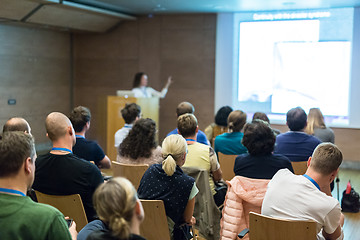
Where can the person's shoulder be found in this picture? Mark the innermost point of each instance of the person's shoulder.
(314, 139)
(175, 131)
(282, 174)
(280, 157)
(44, 210)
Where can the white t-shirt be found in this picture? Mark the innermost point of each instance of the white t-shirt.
(295, 197)
(122, 133)
(147, 92)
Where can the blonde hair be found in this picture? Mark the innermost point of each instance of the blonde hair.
(315, 119)
(114, 202)
(172, 149)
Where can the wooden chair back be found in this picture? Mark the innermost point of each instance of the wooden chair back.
(227, 163)
(263, 227)
(299, 167)
(217, 130)
(155, 225)
(69, 205)
(132, 172)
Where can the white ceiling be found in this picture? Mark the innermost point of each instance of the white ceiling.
(137, 7)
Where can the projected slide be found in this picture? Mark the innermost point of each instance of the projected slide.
(284, 64)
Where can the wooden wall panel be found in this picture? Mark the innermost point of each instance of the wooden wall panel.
(182, 46)
(34, 70)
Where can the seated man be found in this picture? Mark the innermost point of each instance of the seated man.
(20, 217)
(296, 144)
(17, 124)
(130, 113)
(200, 155)
(86, 149)
(60, 172)
(308, 196)
(186, 107)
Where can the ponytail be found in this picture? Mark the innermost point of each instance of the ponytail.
(120, 228)
(169, 165)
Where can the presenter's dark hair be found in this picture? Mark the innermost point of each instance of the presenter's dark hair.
(130, 112)
(222, 115)
(296, 119)
(140, 141)
(261, 116)
(137, 79)
(259, 138)
(79, 117)
(15, 148)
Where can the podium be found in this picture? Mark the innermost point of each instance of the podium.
(114, 120)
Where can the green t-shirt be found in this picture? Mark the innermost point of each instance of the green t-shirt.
(21, 218)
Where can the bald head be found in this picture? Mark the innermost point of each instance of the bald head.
(57, 125)
(184, 107)
(17, 124)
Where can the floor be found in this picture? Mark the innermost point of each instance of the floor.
(351, 226)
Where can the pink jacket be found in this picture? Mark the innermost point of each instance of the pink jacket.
(244, 195)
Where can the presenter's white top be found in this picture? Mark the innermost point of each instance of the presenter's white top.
(147, 92)
(122, 133)
(295, 197)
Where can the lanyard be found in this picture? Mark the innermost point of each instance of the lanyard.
(12, 191)
(61, 149)
(79, 136)
(127, 126)
(313, 181)
(190, 140)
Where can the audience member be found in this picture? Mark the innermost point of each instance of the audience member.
(86, 149)
(186, 107)
(308, 196)
(60, 172)
(296, 144)
(220, 125)
(19, 213)
(119, 210)
(316, 126)
(17, 124)
(260, 162)
(230, 143)
(177, 189)
(140, 147)
(264, 117)
(141, 89)
(130, 113)
(200, 155)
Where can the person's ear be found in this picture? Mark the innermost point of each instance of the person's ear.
(47, 135)
(308, 162)
(27, 165)
(70, 131)
(197, 129)
(139, 211)
(334, 174)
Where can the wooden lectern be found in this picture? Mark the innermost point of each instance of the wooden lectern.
(114, 120)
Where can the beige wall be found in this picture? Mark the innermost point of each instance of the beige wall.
(182, 46)
(34, 70)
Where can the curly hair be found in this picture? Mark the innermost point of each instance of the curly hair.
(130, 112)
(259, 138)
(221, 116)
(141, 140)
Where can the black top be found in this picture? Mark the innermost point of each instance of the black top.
(260, 167)
(65, 175)
(88, 150)
(173, 190)
(106, 235)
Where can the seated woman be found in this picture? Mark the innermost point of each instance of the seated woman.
(167, 182)
(264, 117)
(316, 126)
(220, 124)
(260, 162)
(230, 143)
(118, 221)
(139, 147)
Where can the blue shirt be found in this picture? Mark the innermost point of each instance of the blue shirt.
(297, 146)
(200, 137)
(230, 143)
